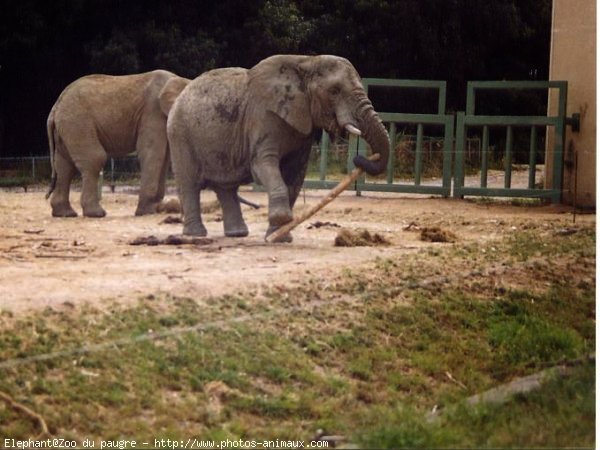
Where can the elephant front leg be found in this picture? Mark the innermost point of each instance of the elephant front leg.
(268, 173)
(154, 160)
(233, 221)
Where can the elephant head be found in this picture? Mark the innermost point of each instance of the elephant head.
(322, 91)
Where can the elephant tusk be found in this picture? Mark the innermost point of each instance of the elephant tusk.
(352, 129)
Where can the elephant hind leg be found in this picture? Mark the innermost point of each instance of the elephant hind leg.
(233, 222)
(90, 168)
(189, 196)
(65, 171)
(188, 188)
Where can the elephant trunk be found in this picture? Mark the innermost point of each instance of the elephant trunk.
(376, 136)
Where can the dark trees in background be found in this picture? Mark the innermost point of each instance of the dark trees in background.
(45, 45)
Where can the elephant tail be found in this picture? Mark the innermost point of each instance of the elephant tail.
(248, 202)
(51, 128)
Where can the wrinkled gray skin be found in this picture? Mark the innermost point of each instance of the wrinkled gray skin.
(101, 116)
(232, 126)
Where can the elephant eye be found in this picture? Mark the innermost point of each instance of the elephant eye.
(334, 90)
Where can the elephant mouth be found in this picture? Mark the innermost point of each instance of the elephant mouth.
(346, 129)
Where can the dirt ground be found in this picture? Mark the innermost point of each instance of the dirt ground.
(57, 262)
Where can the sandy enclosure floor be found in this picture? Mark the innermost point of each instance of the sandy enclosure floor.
(57, 262)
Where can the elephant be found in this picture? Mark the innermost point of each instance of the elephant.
(232, 126)
(98, 116)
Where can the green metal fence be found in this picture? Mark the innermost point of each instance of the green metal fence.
(469, 119)
(455, 140)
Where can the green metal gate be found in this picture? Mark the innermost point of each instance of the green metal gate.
(470, 119)
(455, 140)
(392, 122)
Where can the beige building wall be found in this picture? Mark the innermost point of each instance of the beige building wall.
(573, 58)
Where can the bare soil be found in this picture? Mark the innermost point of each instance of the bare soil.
(56, 262)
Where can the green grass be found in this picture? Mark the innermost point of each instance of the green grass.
(365, 354)
(560, 414)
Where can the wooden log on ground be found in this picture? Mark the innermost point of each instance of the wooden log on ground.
(341, 187)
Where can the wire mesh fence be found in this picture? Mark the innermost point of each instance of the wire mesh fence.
(32, 170)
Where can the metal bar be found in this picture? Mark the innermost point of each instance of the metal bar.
(508, 157)
(361, 150)
(470, 98)
(405, 188)
(484, 155)
(516, 84)
(434, 119)
(532, 149)
(33, 168)
(500, 192)
(442, 99)
(419, 155)
(392, 156)
(427, 84)
(459, 154)
(559, 142)
(318, 184)
(324, 154)
(510, 120)
(447, 164)
(352, 152)
(557, 169)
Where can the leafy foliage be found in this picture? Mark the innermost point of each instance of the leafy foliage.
(46, 45)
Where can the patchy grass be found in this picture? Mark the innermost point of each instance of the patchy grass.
(365, 354)
(523, 421)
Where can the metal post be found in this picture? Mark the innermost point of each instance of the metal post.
(508, 157)
(459, 155)
(447, 170)
(324, 154)
(392, 157)
(419, 155)
(484, 155)
(33, 167)
(532, 148)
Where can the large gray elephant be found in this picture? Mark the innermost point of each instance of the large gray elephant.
(232, 126)
(98, 116)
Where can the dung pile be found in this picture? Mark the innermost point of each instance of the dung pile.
(437, 234)
(210, 207)
(170, 206)
(359, 238)
(171, 219)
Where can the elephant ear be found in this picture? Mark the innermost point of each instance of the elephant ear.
(169, 93)
(281, 86)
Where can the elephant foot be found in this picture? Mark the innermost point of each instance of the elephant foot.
(237, 232)
(279, 218)
(286, 238)
(94, 212)
(195, 229)
(280, 212)
(63, 212)
(148, 208)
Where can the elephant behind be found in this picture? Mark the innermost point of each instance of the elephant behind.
(233, 126)
(101, 116)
